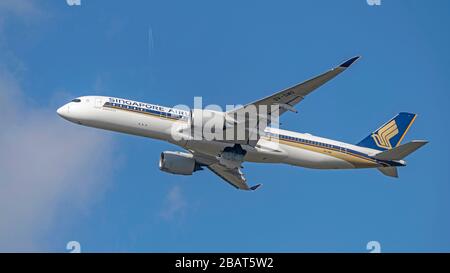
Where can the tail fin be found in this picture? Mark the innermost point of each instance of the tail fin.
(390, 134)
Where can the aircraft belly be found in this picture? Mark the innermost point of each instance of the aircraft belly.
(212, 148)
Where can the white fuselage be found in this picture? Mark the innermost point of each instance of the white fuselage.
(158, 122)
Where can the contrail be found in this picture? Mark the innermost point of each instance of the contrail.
(150, 42)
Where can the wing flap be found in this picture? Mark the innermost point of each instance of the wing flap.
(234, 177)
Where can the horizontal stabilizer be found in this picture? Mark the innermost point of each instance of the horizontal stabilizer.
(389, 171)
(400, 152)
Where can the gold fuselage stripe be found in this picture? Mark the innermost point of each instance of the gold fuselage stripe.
(354, 159)
(144, 113)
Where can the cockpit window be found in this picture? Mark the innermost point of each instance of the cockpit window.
(76, 100)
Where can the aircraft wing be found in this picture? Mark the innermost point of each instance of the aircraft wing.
(288, 98)
(232, 176)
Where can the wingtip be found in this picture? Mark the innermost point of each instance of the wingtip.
(255, 187)
(349, 62)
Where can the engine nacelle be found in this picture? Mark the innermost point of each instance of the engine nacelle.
(178, 163)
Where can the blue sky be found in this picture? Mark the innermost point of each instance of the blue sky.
(228, 52)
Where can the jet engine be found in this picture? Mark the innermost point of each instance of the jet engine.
(178, 163)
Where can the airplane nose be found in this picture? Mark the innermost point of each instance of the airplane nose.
(62, 111)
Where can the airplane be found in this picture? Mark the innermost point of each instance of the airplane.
(382, 149)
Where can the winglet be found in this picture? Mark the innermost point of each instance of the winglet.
(254, 188)
(349, 62)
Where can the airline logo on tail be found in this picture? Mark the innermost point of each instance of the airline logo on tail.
(390, 134)
(383, 136)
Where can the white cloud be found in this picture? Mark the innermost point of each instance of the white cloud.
(175, 204)
(17, 13)
(21, 8)
(48, 167)
(50, 170)
(24, 10)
